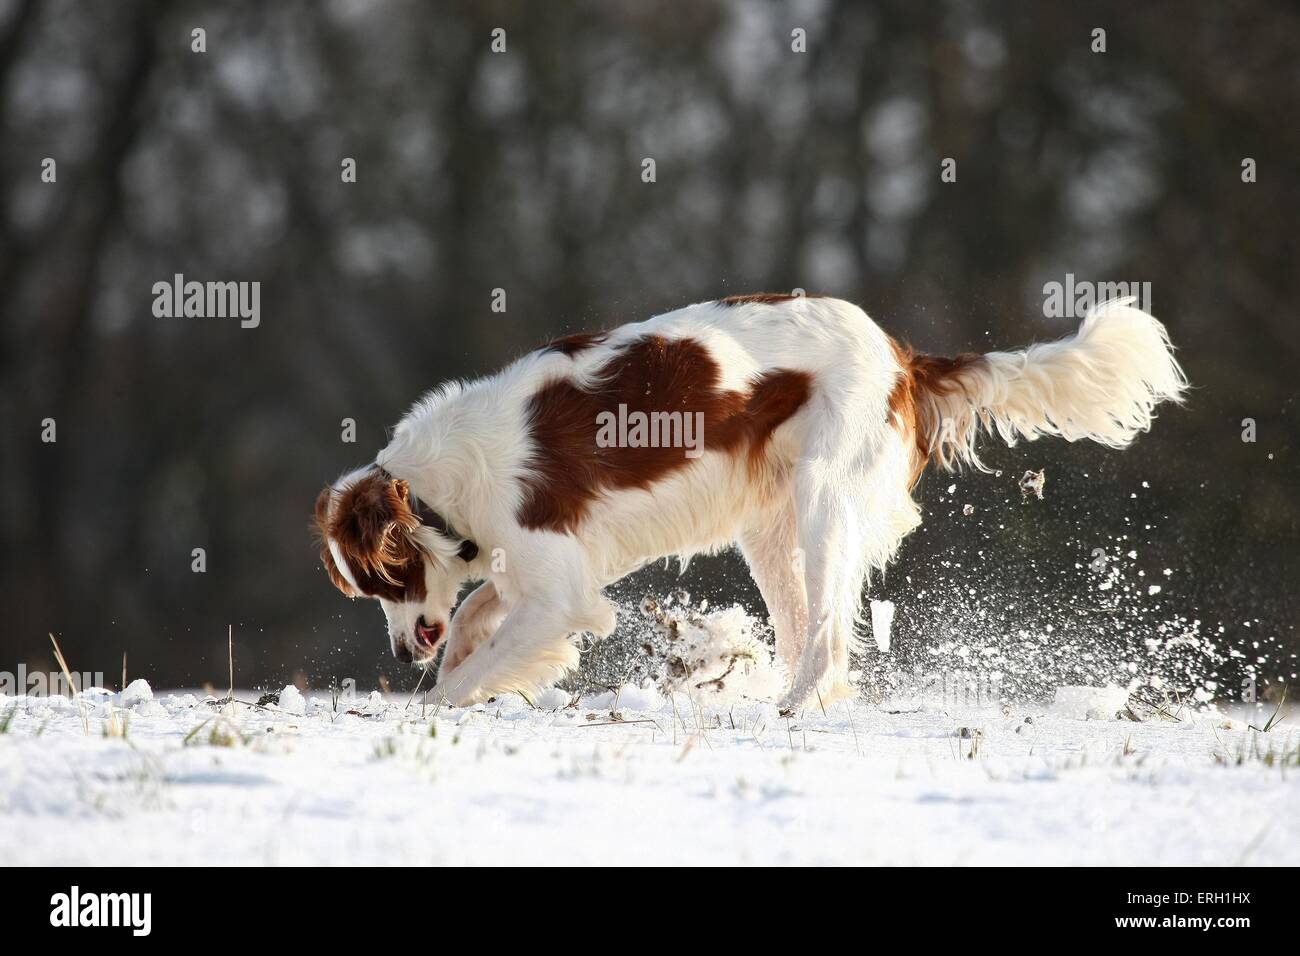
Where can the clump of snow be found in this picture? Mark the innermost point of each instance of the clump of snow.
(1089, 703)
(719, 655)
(137, 692)
(1032, 484)
(646, 698)
(552, 699)
(882, 618)
(291, 701)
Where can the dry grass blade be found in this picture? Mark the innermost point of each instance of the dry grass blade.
(193, 733)
(72, 688)
(424, 672)
(118, 723)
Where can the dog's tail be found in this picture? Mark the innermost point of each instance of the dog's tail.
(1102, 383)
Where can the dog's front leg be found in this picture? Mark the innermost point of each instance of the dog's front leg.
(477, 619)
(529, 652)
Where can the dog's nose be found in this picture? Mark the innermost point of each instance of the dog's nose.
(402, 652)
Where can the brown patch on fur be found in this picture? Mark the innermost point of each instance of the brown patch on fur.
(765, 298)
(651, 375)
(571, 345)
(775, 397)
(922, 375)
(372, 523)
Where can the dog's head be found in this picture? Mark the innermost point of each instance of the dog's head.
(378, 541)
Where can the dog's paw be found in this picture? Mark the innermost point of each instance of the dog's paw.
(790, 703)
(839, 690)
(815, 698)
(601, 619)
(454, 693)
(460, 647)
(454, 656)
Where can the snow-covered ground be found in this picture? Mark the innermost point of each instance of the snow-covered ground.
(641, 779)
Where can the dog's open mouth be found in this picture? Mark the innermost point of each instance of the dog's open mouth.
(428, 636)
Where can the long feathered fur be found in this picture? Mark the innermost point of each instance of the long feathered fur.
(1103, 383)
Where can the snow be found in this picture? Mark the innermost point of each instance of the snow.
(1089, 703)
(137, 692)
(291, 701)
(882, 618)
(714, 655)
(667, 778)
(992, 745)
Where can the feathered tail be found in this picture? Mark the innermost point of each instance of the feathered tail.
(1102, 383)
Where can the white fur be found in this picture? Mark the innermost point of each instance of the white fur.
(830, 503)
(1102, 383)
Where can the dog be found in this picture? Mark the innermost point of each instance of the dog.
(791, 426)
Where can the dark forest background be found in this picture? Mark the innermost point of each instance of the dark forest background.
(522, 171)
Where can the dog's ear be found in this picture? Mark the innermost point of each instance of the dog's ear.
(337, 577)
(372, 524)
(323, 510)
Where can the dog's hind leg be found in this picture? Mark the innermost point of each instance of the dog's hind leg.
(833, 517)
(771, 549)
(829, 539)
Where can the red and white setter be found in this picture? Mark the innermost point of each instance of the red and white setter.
(791, 426)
